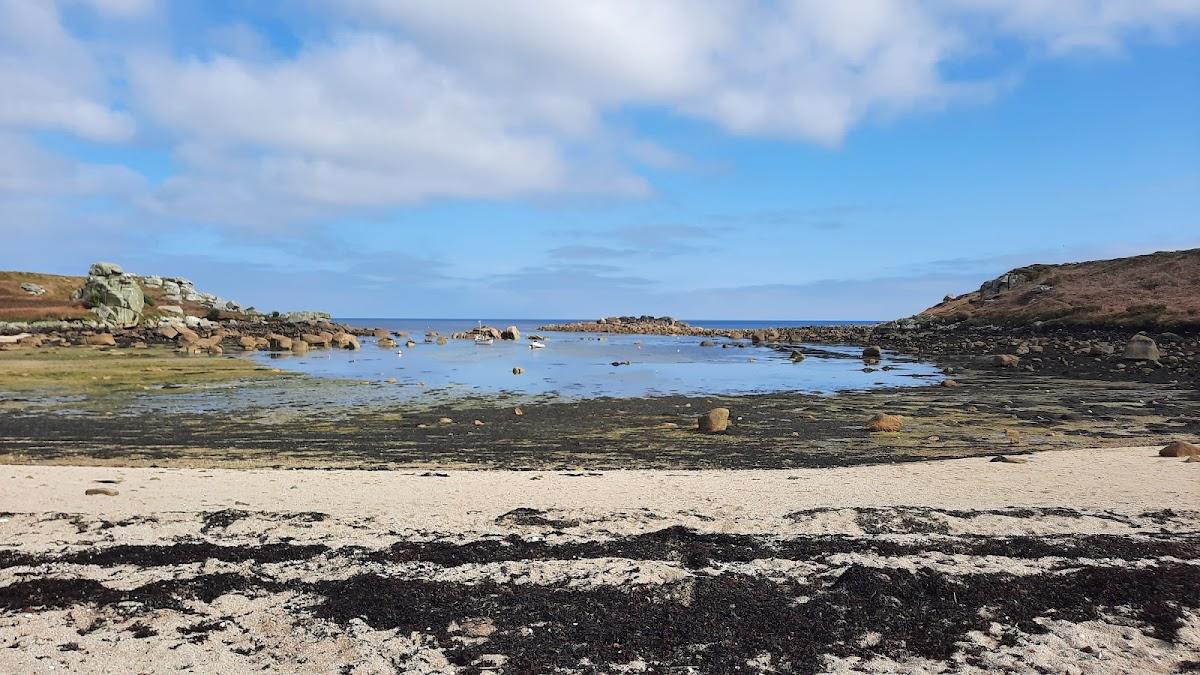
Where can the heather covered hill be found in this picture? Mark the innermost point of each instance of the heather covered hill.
(1156, 290)
(29, 296)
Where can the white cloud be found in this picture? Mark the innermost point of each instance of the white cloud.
(123, 8)
(363, 122)
(27, 171)
(402, 101)
(49, 79)
(1066, 26)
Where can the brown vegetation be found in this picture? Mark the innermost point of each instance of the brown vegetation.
(1159, 289)
(17, 305)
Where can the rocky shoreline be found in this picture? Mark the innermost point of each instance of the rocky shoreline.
(1091, 352)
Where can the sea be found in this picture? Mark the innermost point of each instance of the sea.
(588, 365)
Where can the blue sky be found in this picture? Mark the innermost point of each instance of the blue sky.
(737, 159)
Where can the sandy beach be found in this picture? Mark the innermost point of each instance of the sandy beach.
(882, 568)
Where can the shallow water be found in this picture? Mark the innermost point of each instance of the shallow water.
(576, 365)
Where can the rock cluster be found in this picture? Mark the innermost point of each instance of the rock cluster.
(646, 324)
(1004, 282)
(177, 290)
(116, 298)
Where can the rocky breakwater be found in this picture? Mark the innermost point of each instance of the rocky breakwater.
(781, 337)
(635, 325)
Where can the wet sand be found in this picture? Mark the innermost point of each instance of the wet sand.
(1078, 559)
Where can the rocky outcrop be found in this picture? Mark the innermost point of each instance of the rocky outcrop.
(114, 297)
(1002, 283)
(485, 331)
(308, 317)
(510, 333)
(646, 324)
(1157, 290)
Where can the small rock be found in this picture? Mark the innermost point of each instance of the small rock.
(100, 340)
(107, 492)
(518, 371)
(479, 627)
(1005, 361)
(872, 352)
(1009, 460)
(949, 383)
(445, 420)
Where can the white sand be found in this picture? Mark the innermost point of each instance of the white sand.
(1111, 478)
(1110, 490)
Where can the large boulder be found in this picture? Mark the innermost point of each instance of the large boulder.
(1141, 348)
(279, 343)
(105, 269)
(872, 352)
(115, 297)
(345, 341)
(511, 333)
(715, 421)
(882, 422)
(321, 340)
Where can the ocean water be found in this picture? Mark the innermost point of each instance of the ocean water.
(580, 365)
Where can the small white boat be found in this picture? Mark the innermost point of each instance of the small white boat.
(536, 345)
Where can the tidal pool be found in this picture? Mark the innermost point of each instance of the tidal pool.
(576, 365)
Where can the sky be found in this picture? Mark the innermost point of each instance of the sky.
(734, 159)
